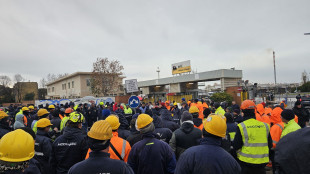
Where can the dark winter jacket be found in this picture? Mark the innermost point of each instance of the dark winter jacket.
(208, 157)
(302, 114)
(4, 129)
(68, 149)
(184, 138)
(100, 162)
(56, 122)
(151, 156)
(292, 152)
(43, 150)
(123, 133)
(164, 134)
(135, 137)
(167, 121)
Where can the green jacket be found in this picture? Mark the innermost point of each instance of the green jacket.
(127, 110)
(220, 111)
(291, 126)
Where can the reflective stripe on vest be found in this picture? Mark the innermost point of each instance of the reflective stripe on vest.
(39, 153)
(246, 137)
(280, 126)
(123, 149)
(255, 142)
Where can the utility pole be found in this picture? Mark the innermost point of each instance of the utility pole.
(275, 73)
(158, 71)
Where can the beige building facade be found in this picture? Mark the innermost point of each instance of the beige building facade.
(76, 85)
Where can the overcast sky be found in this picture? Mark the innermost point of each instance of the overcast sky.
(41, 37)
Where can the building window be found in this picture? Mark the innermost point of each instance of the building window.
(72, 84)
(49, 89)
(68, 85)
(52, 89)
(65, 86)
(88, 82)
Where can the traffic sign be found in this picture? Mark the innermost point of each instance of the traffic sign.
(133, 102)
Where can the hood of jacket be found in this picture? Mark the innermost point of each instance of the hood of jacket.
(19, 118)
(157, 122)
(166, 115)
(71, 132)
(197, 121)
(187, 127)
(260, 109)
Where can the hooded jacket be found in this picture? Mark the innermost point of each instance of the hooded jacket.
(43, 149)
(302, 114)
(184, 138)
(151, 156)
(208, 157)
(68, 149)
(164, 134)
(19, 121)
(167, 121)
(276, 115)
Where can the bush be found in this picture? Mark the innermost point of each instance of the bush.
(221, 97)
(305, 87)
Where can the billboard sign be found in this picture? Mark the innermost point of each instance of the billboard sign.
(181, 67)
(131, 85)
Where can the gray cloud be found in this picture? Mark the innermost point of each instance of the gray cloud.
(44, 37)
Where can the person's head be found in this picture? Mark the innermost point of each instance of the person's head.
(206, 112)
(42, 113)
(68, 111)
(44, 124)
(4, 119)
(171, 105)
(248, 108)
(51, 108)
(298, 104)
(287, 115)
(186, 116)
(113, 121)
(183, 100)
(25, 110)
(196, 100)
(194, 111)
(229, 117)
(236, 112)
(99, 136)
(233, 102)
(143, 104)
(144, 124)
(75, 120)
(216, 105)
(215, 126)
(16, 149)
(31, 108)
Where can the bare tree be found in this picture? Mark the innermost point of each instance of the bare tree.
(43, 83)
(105, 76)
(5, 81)
(18, 87)
(53, 77)
(304, 77)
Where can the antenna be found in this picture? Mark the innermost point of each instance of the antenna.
(158, 71)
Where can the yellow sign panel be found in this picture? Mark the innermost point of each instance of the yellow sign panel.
(181, 70)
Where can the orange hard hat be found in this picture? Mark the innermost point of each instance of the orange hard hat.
(68, 110)
(247, 104)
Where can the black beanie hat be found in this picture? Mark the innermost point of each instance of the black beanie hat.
(186, 116)
(288, 114)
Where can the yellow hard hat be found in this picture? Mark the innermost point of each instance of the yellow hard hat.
(42, 112)
(3, 115)
(143, 120)
(76, 117)
(25, 109)
(175, 103)
(44, 122)
(101, 103)
(101, 130)
(51, 107)
(31, 107)
(193, 109)
(113, 121)
(215, 125)
(16, 146)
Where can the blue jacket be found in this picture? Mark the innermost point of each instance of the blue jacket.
(151, 156)
(208, 157)
(100, 162)
(68, 149)
(43, 149)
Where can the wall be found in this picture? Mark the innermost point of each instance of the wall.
(27, 87)
(233, 91)
(122, 99)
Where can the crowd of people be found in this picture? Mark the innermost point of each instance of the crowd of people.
(181, 137)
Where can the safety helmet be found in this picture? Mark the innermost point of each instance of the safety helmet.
(68, 110)
(101, 130)
(215, 125)
(143, 120)
(44, 122)
(31, 107)
(3, 115)
(25, 109)
(101, 103)
(193, 109)
(51, 107)
(113, 121)
(16, 146)
(76, 117)
(247, 104)
(42, 112)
